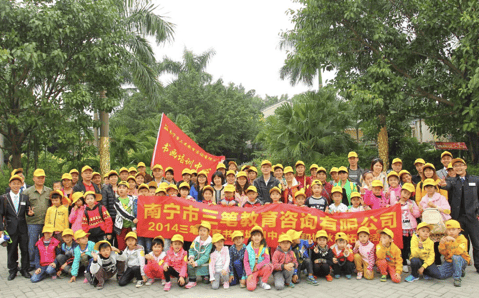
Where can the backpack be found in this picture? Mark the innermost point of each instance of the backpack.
(99, 211)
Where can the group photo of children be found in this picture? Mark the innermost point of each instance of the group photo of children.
(83, 228)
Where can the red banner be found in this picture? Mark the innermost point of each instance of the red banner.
(168, 216)
(175, 149)
(451, 146)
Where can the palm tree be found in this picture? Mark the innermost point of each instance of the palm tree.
(139, 20)
(191, 64)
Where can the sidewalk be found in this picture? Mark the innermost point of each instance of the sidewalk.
(22, 287)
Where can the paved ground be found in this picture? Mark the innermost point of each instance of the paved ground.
(21, 287)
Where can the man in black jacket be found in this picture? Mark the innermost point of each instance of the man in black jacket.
(266, 182)
(86, 184)
(464, 201)
(109, 197)
(24, 186)
(13, 208)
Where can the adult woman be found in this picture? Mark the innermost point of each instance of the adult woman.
(67, 185)
(241, 185)
(428, 172)
(327, 187)
(196, 190)
(377, 167)
(292, 186)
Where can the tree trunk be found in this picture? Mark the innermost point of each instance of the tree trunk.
(2, 155)
(383, 145)
(95, 130)
(473, 146)
(320, 78)
(104, 140)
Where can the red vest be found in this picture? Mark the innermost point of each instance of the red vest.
(47, 253)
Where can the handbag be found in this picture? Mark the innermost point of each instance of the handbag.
(433, 217)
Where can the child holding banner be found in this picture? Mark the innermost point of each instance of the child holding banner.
(207, 195)
(257, 260)
(316, 200)
(199, 255)
(229, 199)
(376, 198)
(252, 201)
(337, 206)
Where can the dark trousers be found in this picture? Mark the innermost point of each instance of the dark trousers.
(406, 251)
(321, 270)
(238, 272)
(102, 276)
(18, 240)
(432, 270)
(62, 259)
(471, 232)
(437, 254)
(346, 267)
(172, 272)
(129, 274)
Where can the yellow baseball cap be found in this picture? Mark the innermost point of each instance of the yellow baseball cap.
(424, 225)
(458, 160)
(453, 224)
(124, 183)
(170, 186)
(288, 170)
(340, 235)
(266, 162)
(377, 183)
(112, 173)
(387, 232)
(396, 160)
(430, 166)
(48, 229)
(76, 196)
(98, 196)
(232, 162)
(221, 166)
(363, 230)
(177, 237)
(39, 173)
(333, 169)
(15, 177)
(251, 188)
(419, 160)
(157, 166)
(257, 228)
(131, 178)
(336, 189)
(160, 189)
(355, 194)
(343, 169)
(185, 171)
(123, 169)
(97, 245)
(86, 168)
(80, 234)
(74, 171)
(132, 169)
(241, 174)
(236, 234)
(204, 224)
(208, 187)
(449, 166)
(409, 187)
(94, 174)
(131, 235)
(284, 237)
(170, 169)
(352, 154)
(67, 232)
(314, 166)
(141, 164)
(278, 166)
(429, 182)
(230, 188)
(446, 153)
(143, 185)
(184, 185)
(217, 237)
(316, 182)
(275, 189)
(299, 193)
(321, 169)
(16, 171)
(152, 184)
(230, 172)
(67, 176)
(402, 172)
(393, 174)
(203, 172)
(299, 163)
(254, 169)
(294, 234)
(321, 233)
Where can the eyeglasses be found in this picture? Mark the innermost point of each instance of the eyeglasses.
(458, 165)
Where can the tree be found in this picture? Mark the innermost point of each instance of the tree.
(423, 54)
(312, 126)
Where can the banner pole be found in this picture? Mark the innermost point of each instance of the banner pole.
(157, 140)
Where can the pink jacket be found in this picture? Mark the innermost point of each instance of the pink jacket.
(367, 252)
(76, 217)
(280, 258)
(375, 203)
(394, 194)
(440, 201)
(225, 254)
(47, 253)
(179, 262)
(411, 215)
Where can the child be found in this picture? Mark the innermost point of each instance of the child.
(81, 255)
(284, 263)
(257, 260)
(160, 192)
(219, 263)
(152, 187)
(57, 214)
(300, 198)
(334, 173)
(343, 256)
(124, 221)
(65, 257)
(96, 220)
(252, 201)
(229, 198)
(143, 241)
(376, 198)
(422, 255)
(76, 213)
(367, 180)
(275, 195)
(322, 256)
(46, 250)
(207, 193)
(394, 191)
(355, 202)
(237, 250)
(135, 262)
(316, 200)
(454, 249)
(409, 212)
(199, 254)
(104, 264)
(337, 196)
(434, 199)
(185, 191)
(156, 259)
(364, 257)
(172, 190)
(132, 191)
(175, 262)
(300, 248)
(57, 185)
(388, 256)
(230, 177)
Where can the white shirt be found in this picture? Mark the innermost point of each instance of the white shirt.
(15, 200)
(220, 263)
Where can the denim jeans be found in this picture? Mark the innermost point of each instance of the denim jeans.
(34, 232)
(45, 270)
(453, 268)
(432, 270)
(238, 272)
(146, 243)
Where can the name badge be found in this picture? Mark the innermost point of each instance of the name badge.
(472, 184)
(23, 203)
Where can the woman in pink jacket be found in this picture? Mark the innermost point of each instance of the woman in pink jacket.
(76, 213)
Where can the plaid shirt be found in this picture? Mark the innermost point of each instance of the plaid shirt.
(236, 255)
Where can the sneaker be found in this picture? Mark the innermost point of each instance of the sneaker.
(265, 286)
(311, 280)
(139, 284)
(242, 285)
(464, 273)
(457, 282)
(291, 285)
(226, 285)
(426, 277)
(410, 278)
(149, 282)
(54, 277)
(405, 269)
(360, 276)
(206, 280)
(163, 282)
(384, 278)
(337, 276)
(329, 277)
(99, 287)
(85, 280)
(190, 285)
(167, 286)
(348, 276)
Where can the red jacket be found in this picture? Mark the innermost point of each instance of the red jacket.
(290, 192)
(47, 253)
(305, 183)
(339, 254)
(179, 262)
(280, 258)
(94, 220)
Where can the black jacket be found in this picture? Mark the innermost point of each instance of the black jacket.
(8, 189)
(263, 189)
(108, 199)
(14, 222)
(455, 187)
(81, 187)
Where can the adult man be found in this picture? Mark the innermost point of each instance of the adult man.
(18, 172)
(142, 169)
(303, 180)
(266, 182)
(355, 172)
(86, 184)
(396, 166)
(464, 201)
(419, 164)
(446, 158)
(38, 195)
(13, 207)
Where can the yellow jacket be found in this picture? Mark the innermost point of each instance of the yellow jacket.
(426, 253)
(58, 218)
(392, 254)
(458, 248)
(421, 192)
